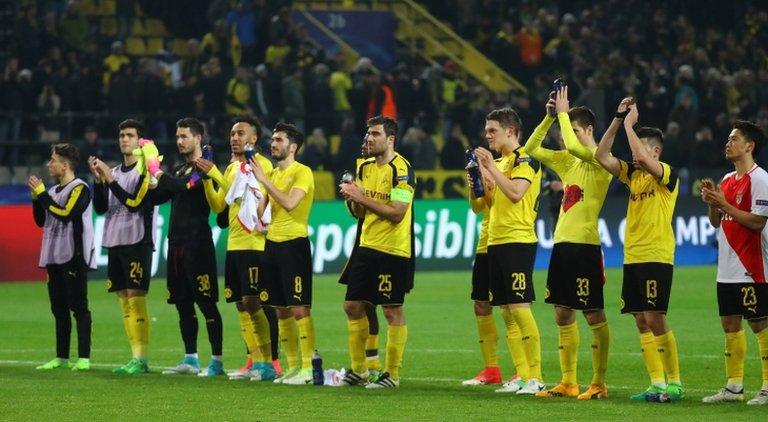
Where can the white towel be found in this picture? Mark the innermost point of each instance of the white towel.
(246, 189)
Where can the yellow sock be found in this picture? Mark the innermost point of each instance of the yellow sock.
(261, 335)
(249, 336)
(531, 342)
(568, 350)
(140, 318)
(372, 360)
(306, 341)
(489, 339)
(601, 341)
(762, 346)
(667, 345)
(397, 335)
(515, 344)
(125, 306)
(372, 343)
(357, 336)
(735, 350)
(652, 360)
(289, 339)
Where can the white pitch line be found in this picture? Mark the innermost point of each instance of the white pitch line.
(457, 381)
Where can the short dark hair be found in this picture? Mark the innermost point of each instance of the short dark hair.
(251, 120)
(132, 123)
(753, 133)
(390, 125)
(507, 118)
(293, 134)
(68, 152)
(194, 126)
(653, 134)
(583, 116)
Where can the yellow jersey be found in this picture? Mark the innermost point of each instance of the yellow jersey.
(649, 236)
(239, 239)
(585, 182)
(288, 225)
(390, 182)
(510, 222)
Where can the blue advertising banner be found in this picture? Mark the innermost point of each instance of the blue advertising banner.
(371, 34)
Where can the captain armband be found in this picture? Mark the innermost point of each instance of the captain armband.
(401, 195)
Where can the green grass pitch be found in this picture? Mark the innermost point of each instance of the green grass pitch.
(442, 350)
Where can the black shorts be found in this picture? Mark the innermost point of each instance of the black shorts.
(575, 278)
(288, 273)
(646, 287)
(243, 274)
(510, 273)
(480, 278)
(379, 278)
(68, 284)
(192, 272)
(129, 267)
(749, 300)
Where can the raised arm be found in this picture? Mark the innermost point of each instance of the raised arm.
(572, 143)
(603, 153)
(640, 154)
(214, 196)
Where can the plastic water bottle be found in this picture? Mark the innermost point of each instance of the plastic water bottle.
(473, 168)
(347, 177)
(317, 369)
(208, 152)
(249, 152)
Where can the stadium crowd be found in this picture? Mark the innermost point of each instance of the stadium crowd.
(692, 74)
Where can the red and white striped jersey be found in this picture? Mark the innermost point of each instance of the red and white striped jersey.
(743, 253)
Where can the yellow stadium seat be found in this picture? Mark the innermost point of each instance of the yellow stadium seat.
(134, 46)
(154, 45)
(137, 28)
(155, 28)
(108, 26)
(179, 47)
(108, 7)
(88, 8)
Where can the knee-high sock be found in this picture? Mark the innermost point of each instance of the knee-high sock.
(372, 360)
(357, 335)
(531, 341)
(515, 344)
(601, 341)
(249, 336)
(306, 341)
(261, 335)
(140, 324)
(125, 306)
(214, 326)
(667, 345)
(289, 339)
(188, 326)
(568, 351)
(652, 359)
(397, 335)
(274, 331)
(735, 350)
(762, 345)
(489, 339)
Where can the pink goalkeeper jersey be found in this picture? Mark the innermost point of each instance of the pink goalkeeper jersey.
(742, 255)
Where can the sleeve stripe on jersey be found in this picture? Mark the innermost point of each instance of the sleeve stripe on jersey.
(673, 178)
(71, 201)
(136, 200)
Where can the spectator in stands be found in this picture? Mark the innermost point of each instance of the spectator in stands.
(238, 99)
(277, 53)
(452, 154)
(218, 43)
(319, 99)
(74, 27)
(418, 148)
(11, 106)
(116, 60)
(48, 104)
(191, 64)
(91, 146)
(293, 98)
(213, 86)
(121, 98)
(151, 98)
(264, 91)
(340, 84)
(316, 152)
(27, 40)
(243, 22)
(87, 96)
